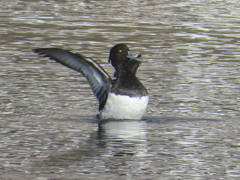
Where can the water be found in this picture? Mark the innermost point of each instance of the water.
(190, 66)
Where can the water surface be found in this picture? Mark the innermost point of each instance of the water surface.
(190, 66)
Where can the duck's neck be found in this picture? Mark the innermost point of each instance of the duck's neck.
(122, 69)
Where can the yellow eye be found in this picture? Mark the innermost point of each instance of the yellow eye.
(120, 50)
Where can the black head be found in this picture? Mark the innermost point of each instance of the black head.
(120, 54)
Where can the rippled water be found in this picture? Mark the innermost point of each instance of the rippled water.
(190, 65)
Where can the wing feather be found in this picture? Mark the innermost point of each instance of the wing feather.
(97, 77)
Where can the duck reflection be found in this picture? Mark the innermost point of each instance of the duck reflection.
(125, 137)
(117, 142)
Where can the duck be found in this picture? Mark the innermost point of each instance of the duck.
(122, 97)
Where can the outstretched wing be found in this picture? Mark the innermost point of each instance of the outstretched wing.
(95, 74)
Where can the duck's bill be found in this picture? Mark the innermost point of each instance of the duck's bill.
(133, 55)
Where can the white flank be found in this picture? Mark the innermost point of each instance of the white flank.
(124, 107)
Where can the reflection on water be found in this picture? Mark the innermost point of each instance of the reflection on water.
(122, 129)
(190, 66)
(192, 148)
(127, 137)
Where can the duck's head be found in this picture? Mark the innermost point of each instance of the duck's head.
(120, 54)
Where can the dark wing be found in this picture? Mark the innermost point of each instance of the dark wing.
(95, 74)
